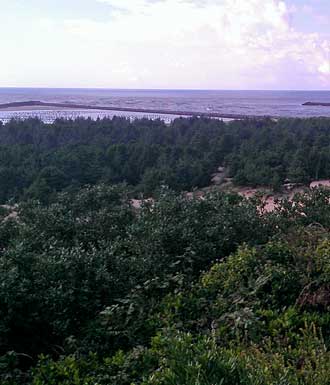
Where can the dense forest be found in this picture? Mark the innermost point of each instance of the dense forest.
(37, 160)
(183, 291)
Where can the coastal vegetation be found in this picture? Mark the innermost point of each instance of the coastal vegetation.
(182, 291)
(37, 160)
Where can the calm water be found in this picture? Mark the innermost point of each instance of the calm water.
(273, 103)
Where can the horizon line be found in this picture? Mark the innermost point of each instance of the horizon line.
(163, 89)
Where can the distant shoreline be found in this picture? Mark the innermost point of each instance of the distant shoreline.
(316, 104)
(36, 104)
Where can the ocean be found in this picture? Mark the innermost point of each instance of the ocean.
(256, 103)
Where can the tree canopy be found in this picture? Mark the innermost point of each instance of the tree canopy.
(37, 160)
(183, 290)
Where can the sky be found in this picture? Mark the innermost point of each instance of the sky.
(166, 44)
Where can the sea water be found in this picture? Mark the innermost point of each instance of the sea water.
(255, 103)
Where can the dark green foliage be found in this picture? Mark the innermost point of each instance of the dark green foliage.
(184, 291)
(89, 274)
(86, 252)
(37, 160)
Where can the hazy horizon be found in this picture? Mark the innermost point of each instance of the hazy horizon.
(161, 89)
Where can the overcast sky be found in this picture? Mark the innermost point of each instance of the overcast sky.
(194, 44)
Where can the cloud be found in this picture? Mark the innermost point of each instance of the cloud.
(212, 44)
(324, 68)
(230, 20)
(195, 44)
